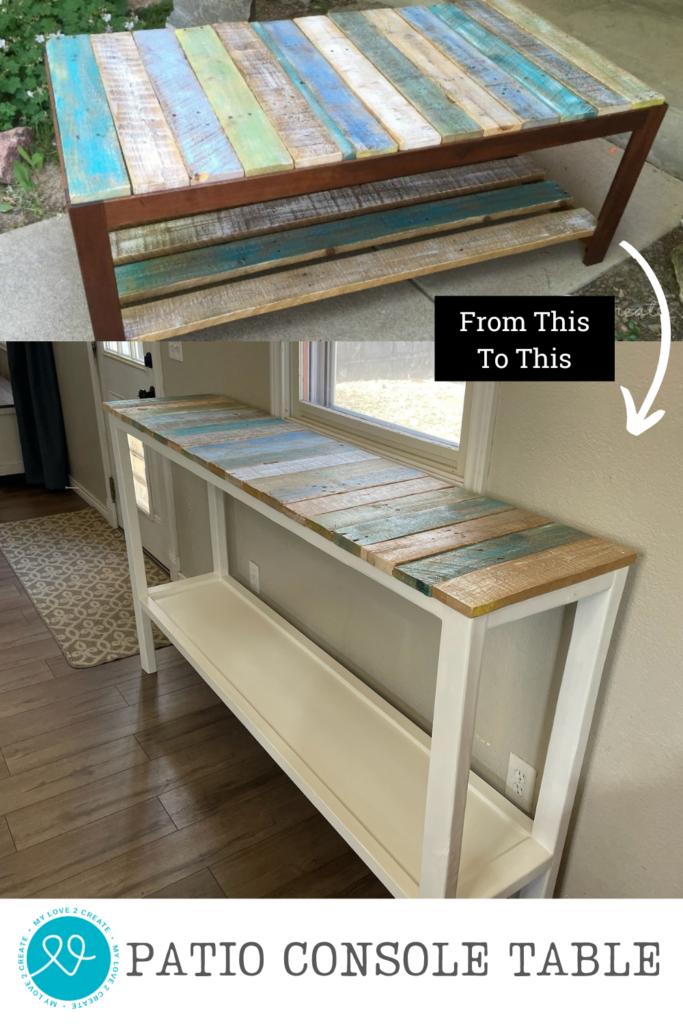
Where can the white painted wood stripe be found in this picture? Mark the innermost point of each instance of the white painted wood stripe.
(403, 122)
(149, 148)
(301, 465)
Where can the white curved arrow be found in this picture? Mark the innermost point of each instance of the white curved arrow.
(638, 421)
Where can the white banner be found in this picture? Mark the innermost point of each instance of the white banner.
(334, 961)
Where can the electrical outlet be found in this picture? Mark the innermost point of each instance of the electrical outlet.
(175, 350)
(254, 578)
(521, 782)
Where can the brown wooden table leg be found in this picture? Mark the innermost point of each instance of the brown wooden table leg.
(624, 182)
(91, 235)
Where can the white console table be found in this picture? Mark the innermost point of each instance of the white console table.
(409, 806)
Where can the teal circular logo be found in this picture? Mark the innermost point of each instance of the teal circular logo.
(68, 958)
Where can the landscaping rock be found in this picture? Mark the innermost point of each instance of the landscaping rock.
(9, 144)
(677, 260)
(135, 5)
(187, 13)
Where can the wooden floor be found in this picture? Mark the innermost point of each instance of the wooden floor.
(114, 783)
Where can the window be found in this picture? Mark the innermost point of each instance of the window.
(383, 394)
(130, 350)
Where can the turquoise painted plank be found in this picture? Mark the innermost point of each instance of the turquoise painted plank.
(555, 94)
(231, 425)
(187, 269)
(369, 478)
(482, 70)
(282, 455)
(406, 523)
(263, 447)
(427, 97)
(427, 572)
(198, 419)
(204, 147)
(93, 161)
(596, 92)
(364, 133)
(336, 522)
(347, 150)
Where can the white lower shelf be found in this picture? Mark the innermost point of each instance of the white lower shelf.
(362, 763)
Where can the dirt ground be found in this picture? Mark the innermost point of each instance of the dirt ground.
(50, 191)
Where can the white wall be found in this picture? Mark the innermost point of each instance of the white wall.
(561, 449)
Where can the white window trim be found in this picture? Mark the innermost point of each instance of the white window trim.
(478, 425)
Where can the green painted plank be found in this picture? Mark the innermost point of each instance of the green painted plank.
(365, 134)
(427, 572)
(261, 459)
(227, 426)
(596, 92)
(351, 478)
(258, 449)
(353, 538)
(258, 146)
(554, 93)
(166, 274)
(329, 523)
(432, 102)
(93, 161)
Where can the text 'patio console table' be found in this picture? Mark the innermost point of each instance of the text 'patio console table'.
(218, 172)
(410, 807)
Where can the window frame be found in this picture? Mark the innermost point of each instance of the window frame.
(466, 464)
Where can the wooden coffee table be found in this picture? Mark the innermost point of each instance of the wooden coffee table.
(218, 172)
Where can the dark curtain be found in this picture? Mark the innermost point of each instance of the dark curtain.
(39, 413)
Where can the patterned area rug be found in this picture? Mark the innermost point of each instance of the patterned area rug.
(75, 570)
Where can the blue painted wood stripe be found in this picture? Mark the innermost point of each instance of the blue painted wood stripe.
(285, 495)
(147, 277)
(93, 161)
(425, 573)
(204, 146)
(364, 133)
(447, 117)
(561, 68)
(347, 150)
(261, 446)
(567, 103)
(481, 69)
(282, 455)
(407, 523)
(210, 428)
(328, 523)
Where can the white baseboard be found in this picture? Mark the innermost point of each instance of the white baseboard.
(107, 511)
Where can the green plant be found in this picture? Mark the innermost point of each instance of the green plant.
(23, 194)
(632, 334)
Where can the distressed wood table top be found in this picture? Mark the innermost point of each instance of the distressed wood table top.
(155, 110)
(471, 552)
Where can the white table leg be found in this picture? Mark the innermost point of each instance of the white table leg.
(593, 624)
(136, 558)
(457, 686)
(219, 539)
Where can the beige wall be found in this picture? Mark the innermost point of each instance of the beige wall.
(564, 450)
(80, 421)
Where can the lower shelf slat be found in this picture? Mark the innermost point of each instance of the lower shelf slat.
(362, 763)
(166, 318)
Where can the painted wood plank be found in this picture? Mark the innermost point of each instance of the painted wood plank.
(596, 92)
(131, 244)
(204, 147)
(357, 499)
(152, 157)
(217, 436)
(181, 271)
(489, 75)
(442, 110)
(580, 54)
(345, 148)
(317, 458)
(387, 554)
(400, 118)
(307, 140)
(372, 472)
(363, 131)
(428, 572)
(456, 85)
(228, 426)
(93, 161)
(497, 586)
(165, 318)
(328, 523)
(240, 455)
(256, 142)
(353, 538)
(567, 104)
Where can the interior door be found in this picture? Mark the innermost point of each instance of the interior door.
(126, 368)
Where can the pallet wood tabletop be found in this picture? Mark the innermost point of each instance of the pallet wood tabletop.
(157, 110)
(473, 553)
